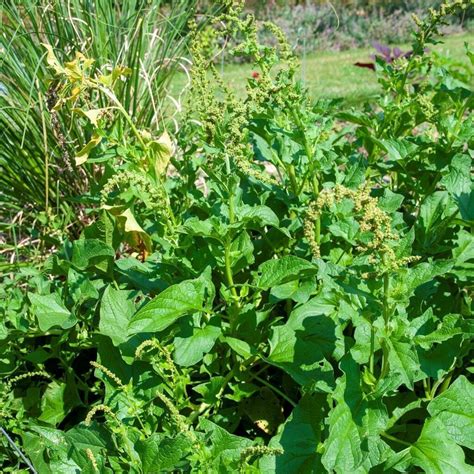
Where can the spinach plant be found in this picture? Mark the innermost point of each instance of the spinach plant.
(277, 287)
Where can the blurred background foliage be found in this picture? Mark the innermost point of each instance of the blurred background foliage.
(344, 24)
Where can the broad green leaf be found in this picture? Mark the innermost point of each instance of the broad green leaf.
(241, 252)
(81, 288)
(457, 179)
(240, 347)
(390, 201)
(225, 448)
(52, 404)
(191, 349)
(375, 420)
(354, 174)
(397, 149)
(205, 228)
(296, 290)
(299, 438)
(176, 301)
(277, 271)
(447, 328)
(405, 244)
(39, 440)
(260, 215)
(403, 359)
(66, 466)
(211, 389)
(95, 437)
(3, 331)
(116, 310)
(409, 279)
(51, 312)
(346, 229)
(436, 361)
(435, 215)
(465, 202)
(455, 409)
(159, 453)
(89, 252)
(300, 346)
(77, 460)
(343, 446)
(436, 453)
(464, 249)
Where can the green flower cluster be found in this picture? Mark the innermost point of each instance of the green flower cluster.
(372, 221)
(223, 117)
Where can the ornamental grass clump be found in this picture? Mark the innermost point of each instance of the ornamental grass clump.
(39, 182)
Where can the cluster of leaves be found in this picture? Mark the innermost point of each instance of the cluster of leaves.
(281, 287)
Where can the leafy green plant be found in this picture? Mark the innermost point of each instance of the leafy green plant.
(278, 287)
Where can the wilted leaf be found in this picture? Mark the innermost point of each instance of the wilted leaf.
(83, 154)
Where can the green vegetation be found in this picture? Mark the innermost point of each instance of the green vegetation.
(263, 283)
(332, 75)
(40, 183)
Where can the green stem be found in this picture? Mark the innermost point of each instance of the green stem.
(427, 389)
(292, 176)
(129, 119)
(384, 370)
(227, 257)
(228, 270)
(386, 287)
(372, 347)
(446, 383)
(395, 440)
(317, 224)
(276, 390)
(386, 317)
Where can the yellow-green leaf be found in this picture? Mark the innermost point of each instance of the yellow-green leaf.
(163, 151)
(134, 233)
(52, 60)
(93, 115)
(83, 154)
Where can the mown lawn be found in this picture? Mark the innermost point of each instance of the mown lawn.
(333, 74)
